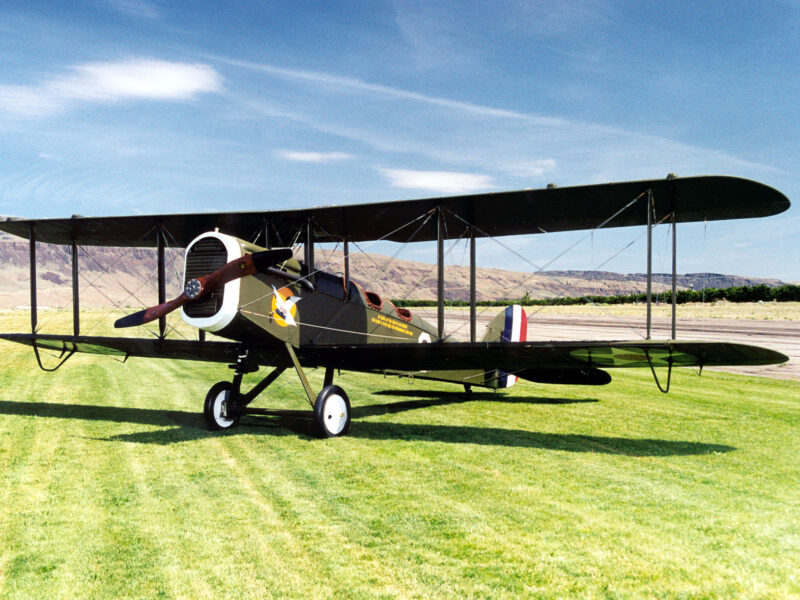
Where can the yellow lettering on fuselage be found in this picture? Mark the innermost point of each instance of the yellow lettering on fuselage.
(397, 326)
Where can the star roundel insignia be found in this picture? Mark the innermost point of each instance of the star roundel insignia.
(284, 307)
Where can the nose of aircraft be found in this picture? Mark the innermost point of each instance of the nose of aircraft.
(249, 264)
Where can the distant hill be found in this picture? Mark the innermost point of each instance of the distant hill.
(414, 280)
(127, 276)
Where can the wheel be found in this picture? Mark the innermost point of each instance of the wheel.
(216, 405)
(332, 412)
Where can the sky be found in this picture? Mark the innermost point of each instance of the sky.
(116, 107)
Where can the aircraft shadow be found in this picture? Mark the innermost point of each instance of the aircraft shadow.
(115, 414)
(491, 436)
(182, 426)
(447, 398)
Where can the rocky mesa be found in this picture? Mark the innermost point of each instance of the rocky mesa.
(112, 276)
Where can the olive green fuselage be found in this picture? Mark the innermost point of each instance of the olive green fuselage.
(331, 315)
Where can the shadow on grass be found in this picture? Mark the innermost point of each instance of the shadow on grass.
(447, 398)
(185, 426)
(490, 436)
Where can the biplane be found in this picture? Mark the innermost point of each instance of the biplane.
(269, 308)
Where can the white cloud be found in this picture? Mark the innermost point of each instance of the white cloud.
(444, 182)
(506, 143)
(313, 157)
(138, 78)
(352, 84)
(134, 79)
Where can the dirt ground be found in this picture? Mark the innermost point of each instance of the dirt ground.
(777, 334)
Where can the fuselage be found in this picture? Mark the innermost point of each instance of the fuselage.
(290, 305)
(324, 308)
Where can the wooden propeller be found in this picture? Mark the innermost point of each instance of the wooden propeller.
(249, 264)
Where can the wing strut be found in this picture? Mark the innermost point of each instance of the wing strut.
(162, 280)
(440, 234)
(649, 203)
(76, 303)
(651, 209)
(309, 250)
(473, 311)
(34, 311)
(674, 194)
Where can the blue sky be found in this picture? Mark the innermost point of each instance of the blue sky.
(139, 106)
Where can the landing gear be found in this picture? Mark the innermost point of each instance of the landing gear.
(226, 402)
(332, 412)
(217, 405)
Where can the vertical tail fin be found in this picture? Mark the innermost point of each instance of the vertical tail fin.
(511, 325)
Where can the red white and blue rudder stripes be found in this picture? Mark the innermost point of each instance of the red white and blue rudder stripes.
(515, 330)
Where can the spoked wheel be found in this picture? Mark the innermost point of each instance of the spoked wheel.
(216, 407)
(332, 412)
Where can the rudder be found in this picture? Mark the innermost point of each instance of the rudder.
(511, 325)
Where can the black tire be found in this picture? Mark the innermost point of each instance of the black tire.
(332, 412)
(212, 408)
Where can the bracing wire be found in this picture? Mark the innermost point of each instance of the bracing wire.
(537, 268)
(426, 216)
(66, 257)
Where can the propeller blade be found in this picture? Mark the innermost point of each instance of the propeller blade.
(249, 264)
(152, 313)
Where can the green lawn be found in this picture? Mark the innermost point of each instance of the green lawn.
(111, 488)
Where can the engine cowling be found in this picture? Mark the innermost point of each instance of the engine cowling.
(206, 253)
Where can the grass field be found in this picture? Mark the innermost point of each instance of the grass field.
(112, 488)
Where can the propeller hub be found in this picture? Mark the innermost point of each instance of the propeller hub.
(193, 288)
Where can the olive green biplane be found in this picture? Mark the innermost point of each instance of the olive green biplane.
(267, 308)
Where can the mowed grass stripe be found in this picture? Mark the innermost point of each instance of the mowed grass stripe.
(131, 560)
(548, 491)
(36, 456)
(303, 487)
(166, 497)
(678, 486)
(26, 557)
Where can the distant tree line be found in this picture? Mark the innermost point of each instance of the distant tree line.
(754, 293)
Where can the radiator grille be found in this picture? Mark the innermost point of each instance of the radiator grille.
(205, 257)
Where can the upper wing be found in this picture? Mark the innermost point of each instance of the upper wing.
(495, 214)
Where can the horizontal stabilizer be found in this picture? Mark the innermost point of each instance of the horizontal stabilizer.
(566, 376)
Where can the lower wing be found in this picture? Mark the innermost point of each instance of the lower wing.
(507, 356)
(519, 357)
